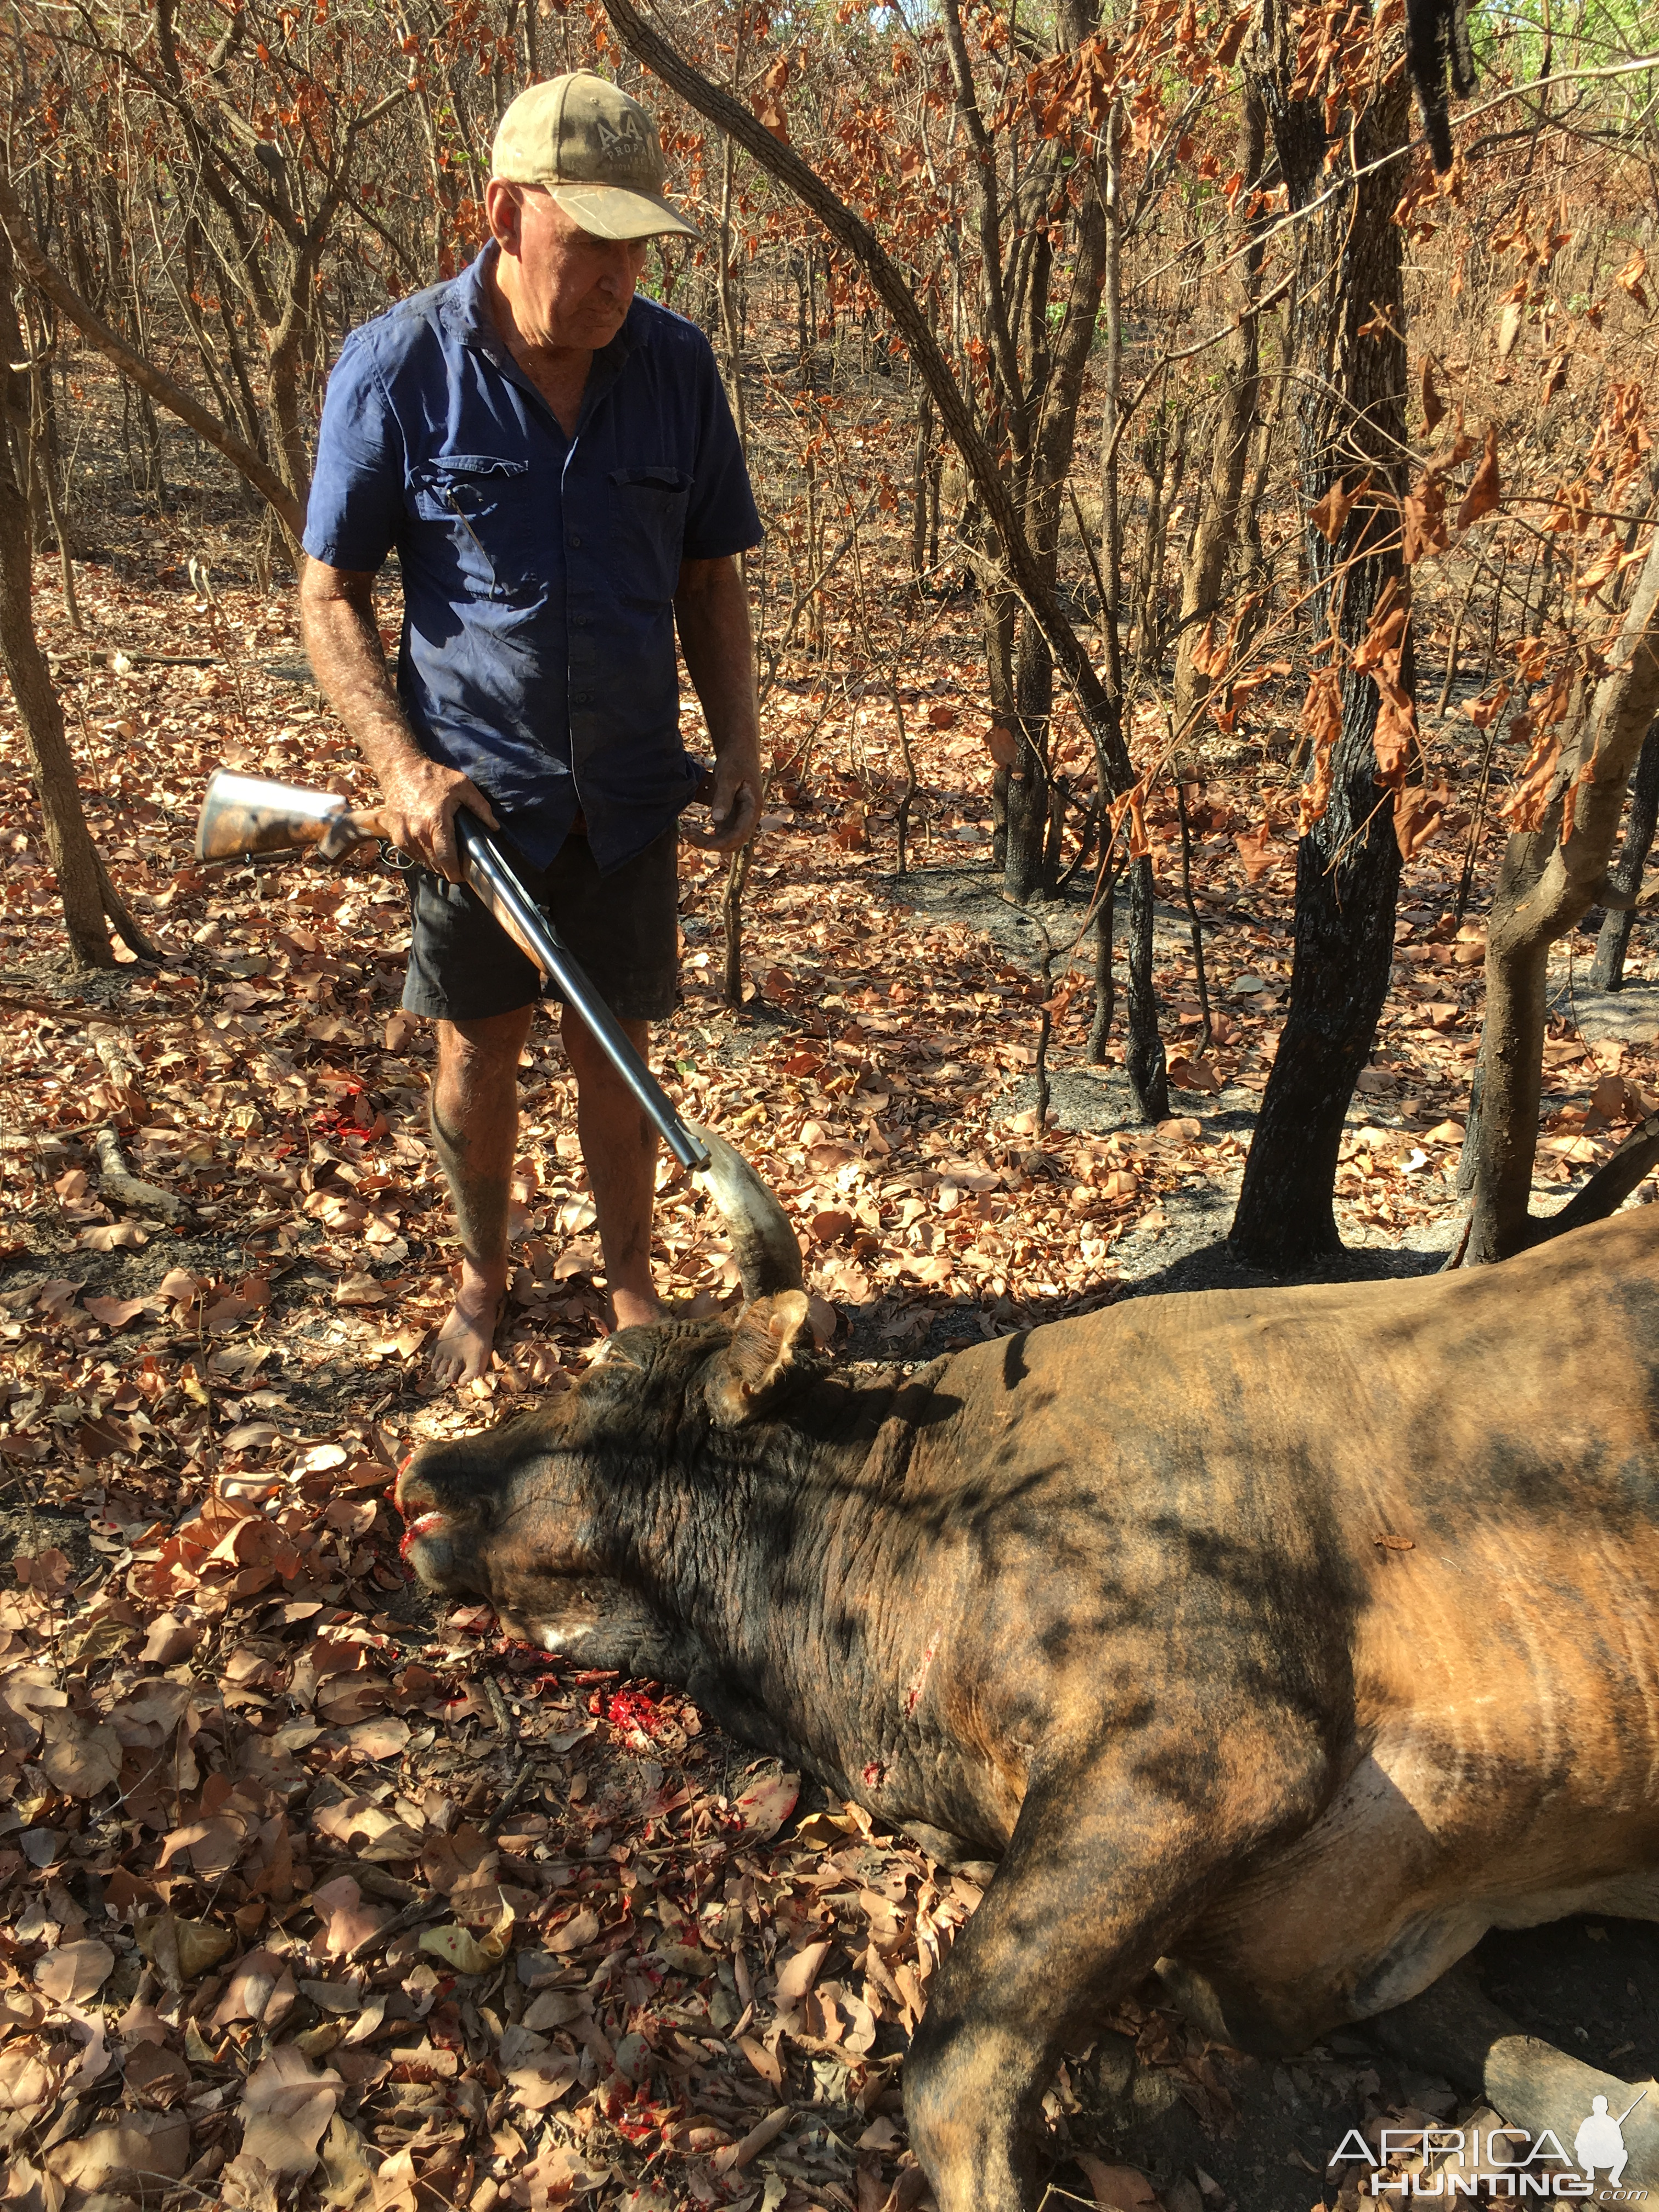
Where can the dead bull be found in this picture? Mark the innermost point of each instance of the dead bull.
(1288, 1639)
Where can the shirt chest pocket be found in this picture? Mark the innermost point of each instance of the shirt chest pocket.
(648, 508)
(485, 502)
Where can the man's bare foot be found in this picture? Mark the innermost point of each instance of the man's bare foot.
(466, 1342)
(630, 1309)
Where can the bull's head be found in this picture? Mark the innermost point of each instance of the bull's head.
(554, 1516)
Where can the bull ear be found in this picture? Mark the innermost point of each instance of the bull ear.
(764, 1355)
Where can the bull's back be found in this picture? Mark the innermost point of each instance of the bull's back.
(1527, 1393)
(1376, 1494)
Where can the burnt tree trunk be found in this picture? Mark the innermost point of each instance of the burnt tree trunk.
(1024, 875)
(1216, 536)
(1607, 970)
(1352, 421)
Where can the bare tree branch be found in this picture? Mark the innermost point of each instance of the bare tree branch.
(160, 386)
(855, 236)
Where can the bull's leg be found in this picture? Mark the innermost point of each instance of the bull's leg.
(1096, 1883)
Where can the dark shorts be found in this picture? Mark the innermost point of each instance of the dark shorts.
(623, 929)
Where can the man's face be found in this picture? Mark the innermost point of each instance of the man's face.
(565, 288)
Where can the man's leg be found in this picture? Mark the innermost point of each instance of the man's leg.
(620, 1147)
(474, 1124)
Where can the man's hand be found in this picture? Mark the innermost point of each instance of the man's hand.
(730, 791)
(420, 801)
(712, 610)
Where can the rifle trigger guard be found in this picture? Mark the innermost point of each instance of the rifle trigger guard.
(393, 857)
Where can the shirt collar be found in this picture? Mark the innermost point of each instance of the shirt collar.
(467, 305)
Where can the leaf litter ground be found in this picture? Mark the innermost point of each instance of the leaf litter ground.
(312, 1895)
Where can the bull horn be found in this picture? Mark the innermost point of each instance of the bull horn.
(1454, 2029)
(764, 1244)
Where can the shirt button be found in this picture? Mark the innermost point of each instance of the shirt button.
(576, 541)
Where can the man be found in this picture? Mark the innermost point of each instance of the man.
(555, 462)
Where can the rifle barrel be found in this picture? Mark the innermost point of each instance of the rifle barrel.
(486, 871)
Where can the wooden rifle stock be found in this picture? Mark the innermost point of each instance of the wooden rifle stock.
(245, 814)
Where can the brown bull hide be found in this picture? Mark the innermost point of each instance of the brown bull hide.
(1292, 1639)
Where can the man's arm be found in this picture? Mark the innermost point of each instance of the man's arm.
(337, 622)
(712, 610)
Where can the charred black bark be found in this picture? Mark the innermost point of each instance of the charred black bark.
(1353, 424)
(1339, 977)
(1438, 40)
(1607, 972)
(1144, 1058)
(1030, 797)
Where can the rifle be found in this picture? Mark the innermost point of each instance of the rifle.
(245, 814)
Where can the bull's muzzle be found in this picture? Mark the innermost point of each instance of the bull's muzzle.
(441, 1536)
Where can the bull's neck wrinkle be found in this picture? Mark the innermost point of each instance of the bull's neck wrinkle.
(773, 1555)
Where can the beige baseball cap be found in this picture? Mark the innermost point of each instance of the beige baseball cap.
(595, 150)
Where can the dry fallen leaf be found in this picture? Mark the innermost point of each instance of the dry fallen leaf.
(535, 2087)
(168, 1638)
(766, 2063)
(74, 1971)
(798, 1973)
(106, 2161)
(1118, 2188)
(734, 2157)
(260, 1989)
(284, 2110)
(575, 1934)
(181, 1950)
(111, 1236)
(765, 1808)
(465, 1952)
(247, 2185)
(80, 1758)
(339, 1906)
(1483, 495)
(26, 2081)
(349, 2180)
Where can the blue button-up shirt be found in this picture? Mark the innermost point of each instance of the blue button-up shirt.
(539, 572)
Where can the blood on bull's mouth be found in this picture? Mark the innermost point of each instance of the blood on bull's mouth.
(424, 1524)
